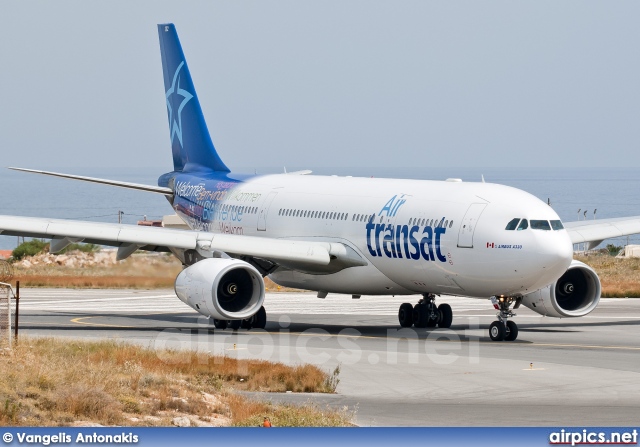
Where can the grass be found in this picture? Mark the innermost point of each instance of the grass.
(51, 382)
(136, 272)
(250, 414)
(619, 277)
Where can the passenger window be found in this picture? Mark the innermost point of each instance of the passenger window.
(557, 225)
(523, 225)
(513, 224)
(540, 225)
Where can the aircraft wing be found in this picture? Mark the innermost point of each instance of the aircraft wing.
(129, 238)
(596, 231)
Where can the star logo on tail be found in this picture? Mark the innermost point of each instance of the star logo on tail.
(176, 97)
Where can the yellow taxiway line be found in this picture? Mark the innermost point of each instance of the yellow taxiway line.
(301, 334)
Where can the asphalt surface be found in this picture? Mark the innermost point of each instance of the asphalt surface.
(569, 372)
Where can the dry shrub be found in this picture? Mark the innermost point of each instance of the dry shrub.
(88, 403)
(249, 413)
(242, 409)
(137, 272)
(97, 282)
(620, 277)
(9, 412)
(45, 381)
(299, 379)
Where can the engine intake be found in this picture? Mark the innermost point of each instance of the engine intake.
(574, 294)
(225, 289)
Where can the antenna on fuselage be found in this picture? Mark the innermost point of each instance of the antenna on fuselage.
(285, 169)
(482, 176)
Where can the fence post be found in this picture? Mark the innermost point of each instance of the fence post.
(17, 310)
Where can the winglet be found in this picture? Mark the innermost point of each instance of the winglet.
(191, 143)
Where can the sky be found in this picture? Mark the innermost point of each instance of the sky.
(326, 83)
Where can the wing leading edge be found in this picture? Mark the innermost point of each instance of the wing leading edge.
(595, 231)
(128, 238)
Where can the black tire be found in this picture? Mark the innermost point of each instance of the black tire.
(260, 318)
(220, 324)
(247, 324)
(420, 316)
(446, 316)
(405, 315)
(512, 331)
(234, 324)
(497, 331)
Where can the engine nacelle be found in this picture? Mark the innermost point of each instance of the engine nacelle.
(575, 294)
(225, 289)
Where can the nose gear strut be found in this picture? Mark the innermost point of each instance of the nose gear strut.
(504, 329)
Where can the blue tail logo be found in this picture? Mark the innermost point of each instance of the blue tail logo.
(176, 92)
(192, 150)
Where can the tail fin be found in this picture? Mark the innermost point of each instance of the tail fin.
(191, 144)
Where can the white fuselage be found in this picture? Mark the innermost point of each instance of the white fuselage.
(443, 237)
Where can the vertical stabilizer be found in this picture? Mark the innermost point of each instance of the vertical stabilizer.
(191, 144)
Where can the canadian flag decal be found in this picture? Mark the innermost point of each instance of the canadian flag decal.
(490, 245)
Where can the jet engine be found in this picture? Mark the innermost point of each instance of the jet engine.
(575, 294)
(225, 289)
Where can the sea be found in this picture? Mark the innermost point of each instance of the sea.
(574, 193)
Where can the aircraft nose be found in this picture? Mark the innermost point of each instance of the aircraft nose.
(555, 253)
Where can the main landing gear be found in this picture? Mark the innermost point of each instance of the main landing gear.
(425, 313)
(257, 321)
(503, 329)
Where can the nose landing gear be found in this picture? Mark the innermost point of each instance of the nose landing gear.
(504, 329)
(425, 313)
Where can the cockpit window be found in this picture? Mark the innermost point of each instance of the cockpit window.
(523, 225)
(540, 225)
(557, 225)
(513, 224)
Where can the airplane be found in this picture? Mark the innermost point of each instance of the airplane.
(345, 235)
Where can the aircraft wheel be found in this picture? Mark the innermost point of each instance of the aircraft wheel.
(220, 324)
(234, 324)
(247, 323)
(446, 316)
(497, 331)
(260, 318)
(512, 331)
(420, 316)
(405, 315)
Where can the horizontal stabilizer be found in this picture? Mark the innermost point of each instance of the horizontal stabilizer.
(137, 186)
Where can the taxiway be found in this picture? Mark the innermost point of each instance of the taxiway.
(569, 372)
